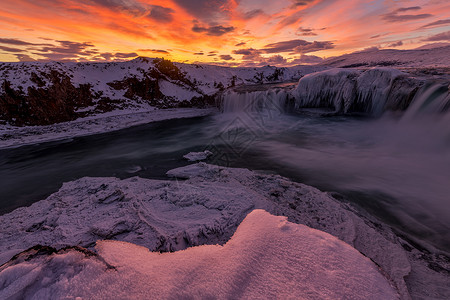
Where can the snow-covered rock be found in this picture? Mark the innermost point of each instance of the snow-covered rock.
(267, 257)
(206, 207)
(437, 57)
(372, 91)
(198, 156)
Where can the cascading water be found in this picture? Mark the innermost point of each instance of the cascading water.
(396, 167)
(257, 101)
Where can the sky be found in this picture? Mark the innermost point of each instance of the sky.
(224, 32)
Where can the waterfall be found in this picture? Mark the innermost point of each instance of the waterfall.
(255, 101)
(433, 98)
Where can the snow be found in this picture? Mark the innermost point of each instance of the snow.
(198, 156)
(204, 209)
(177, 92)
(417, 58)
(266, 257)
(11, 137)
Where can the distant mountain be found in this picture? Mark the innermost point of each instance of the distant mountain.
(436, 57)
(432, 46)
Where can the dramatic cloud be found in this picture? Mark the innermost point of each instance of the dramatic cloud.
(301, 2)
(154, 51)
(437, 23)
(292, 19)
(297, 46)
(396, 17)
(161, 14)
(14, 42)
(12, 50)
(205, 10)
(215, 30)
(266, 29)
(132, 7)
(443, 36)
(24, 57)
(226, 57)
(305, 31)
(125, 55)
(253, 13)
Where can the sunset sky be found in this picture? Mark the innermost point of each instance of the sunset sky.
(229, 32)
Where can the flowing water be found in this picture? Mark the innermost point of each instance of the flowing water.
(396, 167)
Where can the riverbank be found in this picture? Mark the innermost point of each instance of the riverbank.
(12, 136)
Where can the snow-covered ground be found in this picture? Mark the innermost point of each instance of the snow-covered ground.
(205, 208)
(267, 257)
(12, 136)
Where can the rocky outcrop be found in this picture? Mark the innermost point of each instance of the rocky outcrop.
(41, 105)
(348, 91)
(48, 93)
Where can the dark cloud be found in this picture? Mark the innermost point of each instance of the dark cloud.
(443, 36)
(298, 3)
(253, 13)
(11, 50)
(131, 7)
(24, 57)
(297, 46)
(205, 10)
(226, 57)
(67, 47)
(161, 14)
(396, 44)
(212, 30)
(395, 15)
(292, 19)
(199, 53)
(15, 42)
(305, 31)
(437, 23)
(240, 44)
(125, 55)
(306, 60)
(314, 46)
(154, 51)
(275, 60)
(65, 50)
(247, 52)
(106, 55)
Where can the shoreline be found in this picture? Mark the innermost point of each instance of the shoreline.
(14, 137)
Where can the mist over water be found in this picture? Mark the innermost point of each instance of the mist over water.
(396, 167)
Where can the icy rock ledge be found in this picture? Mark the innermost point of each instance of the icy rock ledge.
(267, 257)
(198, 156)
(353, 91)
(203, 208)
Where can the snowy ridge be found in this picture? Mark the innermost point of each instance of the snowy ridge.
(437, 57)
(204, 209)
(266, 257)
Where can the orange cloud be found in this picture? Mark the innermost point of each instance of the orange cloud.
(117, 29)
